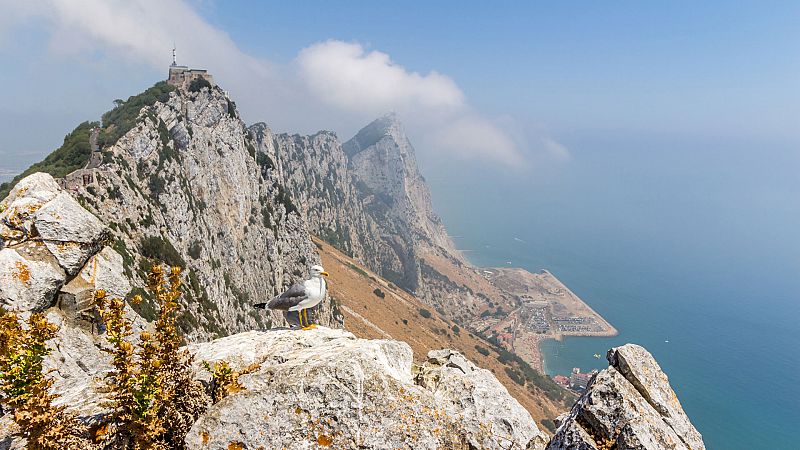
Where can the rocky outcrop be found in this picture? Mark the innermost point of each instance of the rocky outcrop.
(46, 238)
(185, 186)
(315, 170)
(479, 400)
(629, 405)
(325, 388)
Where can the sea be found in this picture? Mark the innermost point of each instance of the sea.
(689, 246)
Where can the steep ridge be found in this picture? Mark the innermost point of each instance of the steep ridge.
(384, 164)
(183, 185)
(368, 199)
(314, 170)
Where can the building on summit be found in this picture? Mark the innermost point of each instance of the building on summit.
(182, 76)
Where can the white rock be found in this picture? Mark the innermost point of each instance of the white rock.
(486, 411)
(70, 232)
(29, 277)
(324, 387)
(78, 366)
(629, 405)
(38, 186)
(103, 271)
(22, 203)
(639, 367)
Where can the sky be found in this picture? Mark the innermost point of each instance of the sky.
(498, 86)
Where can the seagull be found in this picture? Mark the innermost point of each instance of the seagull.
(301, 296)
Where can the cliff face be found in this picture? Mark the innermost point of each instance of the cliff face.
(314, 169)
(184, 186)
(368, 199)
(385, 167)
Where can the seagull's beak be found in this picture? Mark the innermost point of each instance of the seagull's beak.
(324, 273)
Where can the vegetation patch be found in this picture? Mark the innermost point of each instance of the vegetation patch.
(198, 84)
(482, 350)
(160, 249)
(123, 117)
(72, 155)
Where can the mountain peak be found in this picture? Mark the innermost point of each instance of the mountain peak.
(387, 125)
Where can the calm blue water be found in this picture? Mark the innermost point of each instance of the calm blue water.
(692, 242)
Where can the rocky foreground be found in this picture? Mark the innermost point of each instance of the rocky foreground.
(629, 405)
(305, 389)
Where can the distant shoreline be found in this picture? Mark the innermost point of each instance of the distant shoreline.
(547, 309)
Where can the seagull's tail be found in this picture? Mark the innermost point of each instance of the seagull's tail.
(262, 305)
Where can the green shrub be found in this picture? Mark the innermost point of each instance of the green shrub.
(515, 376)
(160, 249)
(198, 84)
(72, 155)
(286, 200)
(379, 293)
(265, 161)
(123, 117)
(195, 249)
(425, 313)
(156, 184)
(232, 110)
(482, 350)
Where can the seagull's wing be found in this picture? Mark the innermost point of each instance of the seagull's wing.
(292, 297)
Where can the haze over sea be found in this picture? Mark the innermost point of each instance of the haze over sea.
(684, 240)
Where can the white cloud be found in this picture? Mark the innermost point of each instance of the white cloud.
(330, 84)
(347, 76)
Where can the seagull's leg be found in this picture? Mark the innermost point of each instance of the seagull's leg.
(309, 326)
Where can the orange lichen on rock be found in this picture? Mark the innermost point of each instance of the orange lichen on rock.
(324, 440)
(22, 273)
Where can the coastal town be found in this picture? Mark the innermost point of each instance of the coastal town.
(546, 309)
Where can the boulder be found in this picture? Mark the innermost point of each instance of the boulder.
(471, 394)
(639, 367)
(71, 233)
(18, 209)
(78, 367)
(29, 277)
(325, 388)
(103, 271)
(629, 405)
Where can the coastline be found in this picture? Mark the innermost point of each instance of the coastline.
(546, 309)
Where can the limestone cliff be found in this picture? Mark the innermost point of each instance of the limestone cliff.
(385, 167)
(368, 199)
(185, 186)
